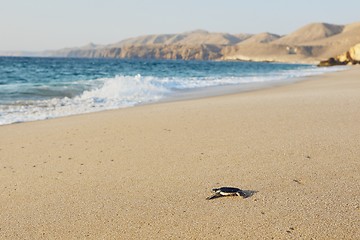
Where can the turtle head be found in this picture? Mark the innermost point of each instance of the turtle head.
(215, 189)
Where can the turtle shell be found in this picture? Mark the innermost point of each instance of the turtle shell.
(228, 190)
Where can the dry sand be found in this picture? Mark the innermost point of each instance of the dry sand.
(145, 172)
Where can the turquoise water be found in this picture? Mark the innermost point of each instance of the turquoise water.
(40, 88)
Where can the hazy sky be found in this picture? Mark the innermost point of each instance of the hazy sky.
(52, 24)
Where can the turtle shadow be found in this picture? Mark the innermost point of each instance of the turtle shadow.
(248, 193)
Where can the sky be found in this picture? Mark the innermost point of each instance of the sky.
(36, 25)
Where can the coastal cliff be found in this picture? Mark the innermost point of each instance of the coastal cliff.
(184, 52)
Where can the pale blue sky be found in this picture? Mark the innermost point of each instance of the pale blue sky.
(52, 24)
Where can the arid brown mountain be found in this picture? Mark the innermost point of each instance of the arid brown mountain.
(339, 43)
(309, 44)
(260, 38)
(190, 38)
(311, 32)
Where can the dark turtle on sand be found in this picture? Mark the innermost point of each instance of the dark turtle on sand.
(227, 191)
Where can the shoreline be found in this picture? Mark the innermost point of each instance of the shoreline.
(205, 92)
(217, 91)
(145, 171)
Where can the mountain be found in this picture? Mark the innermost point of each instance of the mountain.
(188, 38)
(308, 44)
(260, 38)
(194, 45)
(338, 43)
(311, 32)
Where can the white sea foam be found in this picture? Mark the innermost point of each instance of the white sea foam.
(127, 91)
(111, 93)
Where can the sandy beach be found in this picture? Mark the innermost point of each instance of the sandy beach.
(145, 172)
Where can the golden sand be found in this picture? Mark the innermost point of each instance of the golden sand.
(145, 172)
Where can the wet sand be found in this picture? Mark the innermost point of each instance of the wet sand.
(145, 172)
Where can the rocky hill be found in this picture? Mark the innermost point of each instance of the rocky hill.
(260, 38)
(310, 32)
(309, 44)
(189, 38)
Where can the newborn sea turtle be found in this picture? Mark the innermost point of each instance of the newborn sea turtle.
(227, 191)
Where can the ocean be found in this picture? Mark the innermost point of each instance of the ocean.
(42, 88)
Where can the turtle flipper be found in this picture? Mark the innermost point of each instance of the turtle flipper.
(216, 195)
(241, 194)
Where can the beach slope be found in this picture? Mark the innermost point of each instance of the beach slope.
(145, 172)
